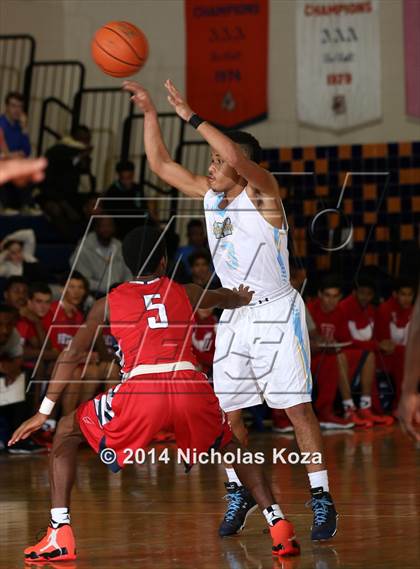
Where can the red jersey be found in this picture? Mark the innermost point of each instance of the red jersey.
(360, 323)
(62, 327)
(26, 329)
(331, 325)
(392, 322)
(152, 323)
(204, 340)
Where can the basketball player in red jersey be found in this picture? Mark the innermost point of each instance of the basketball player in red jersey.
(152, 318)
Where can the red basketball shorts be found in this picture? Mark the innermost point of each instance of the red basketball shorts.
(129, 415)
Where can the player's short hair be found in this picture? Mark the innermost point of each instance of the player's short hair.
(364, 282)
(201, 254)
(404, 282)
(79, 277)
(42, 288)
(142, 249)
(75, 275)
(14, 95)
(248, 143)
(124, 166)
(330, 281)
(14, 280)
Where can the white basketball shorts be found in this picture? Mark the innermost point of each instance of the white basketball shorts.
(262, 353)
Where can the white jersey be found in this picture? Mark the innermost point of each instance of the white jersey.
(245, 248)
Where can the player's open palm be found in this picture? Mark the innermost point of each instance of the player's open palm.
(245, 295)
(140, 96)
(27, 427)
(177, 101)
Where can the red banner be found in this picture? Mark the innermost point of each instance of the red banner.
(227, 47)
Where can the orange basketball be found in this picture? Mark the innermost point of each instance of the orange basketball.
(119, 49)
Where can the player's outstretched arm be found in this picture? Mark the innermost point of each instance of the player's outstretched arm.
(64, 369)
(22, 170)
(159, 159)
(219, 298)
(259, 178)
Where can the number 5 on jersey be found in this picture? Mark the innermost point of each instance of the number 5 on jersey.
(162, 321)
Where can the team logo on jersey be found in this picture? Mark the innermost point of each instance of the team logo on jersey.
(222, 228)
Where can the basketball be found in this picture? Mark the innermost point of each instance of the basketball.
(120, 49)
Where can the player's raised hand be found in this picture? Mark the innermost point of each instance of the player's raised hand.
(140, 96)
(22, 170)
(28, 427)
(177, 101)
(244, 295)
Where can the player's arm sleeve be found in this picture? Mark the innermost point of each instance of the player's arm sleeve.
(161, 163)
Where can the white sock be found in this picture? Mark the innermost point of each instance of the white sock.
(273, 513)
(365, 402)
(59, 516)
(320, 478)
(348, 404)
(232, 476)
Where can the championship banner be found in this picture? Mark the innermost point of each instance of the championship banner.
(412, 56)
(338, 62)
(227, 52)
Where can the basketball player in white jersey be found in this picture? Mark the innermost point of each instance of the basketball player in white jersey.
(262, 351)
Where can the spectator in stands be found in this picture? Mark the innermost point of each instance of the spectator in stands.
(12, 381)
(13, 124)
(392, 325)
(358, 315)
(125, 197)
(16, 292)
(30, 325)
(99, 258)
(197, 240)
(62, 322)
(68, 160)
(327, 358)
(17, 256)
(14, 142)
(201, 269)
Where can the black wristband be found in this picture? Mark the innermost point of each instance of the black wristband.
(195, 121)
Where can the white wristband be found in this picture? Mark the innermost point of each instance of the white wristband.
(46, 406)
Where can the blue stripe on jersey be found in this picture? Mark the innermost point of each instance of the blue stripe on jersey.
(298, 334)
(217, 200)
(231, 257)
(280, 261)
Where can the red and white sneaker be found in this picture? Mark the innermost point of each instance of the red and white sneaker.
(331, 421)
(385, 420)
(284, 539)
(57, 545)
(353, 416)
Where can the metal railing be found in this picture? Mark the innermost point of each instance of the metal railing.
(60, 80)
(17, 51)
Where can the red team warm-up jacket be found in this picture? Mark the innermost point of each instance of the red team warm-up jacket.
(333, 326)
